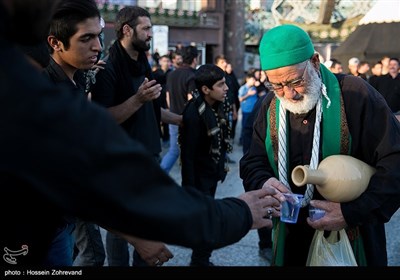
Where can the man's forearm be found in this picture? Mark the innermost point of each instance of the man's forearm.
(125, 110)
(171, 118)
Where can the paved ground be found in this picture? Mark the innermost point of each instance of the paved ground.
(242, 253)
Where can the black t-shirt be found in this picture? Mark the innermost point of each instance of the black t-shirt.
(180, 82)
(58, 76)
(111, 89)
(390, 89)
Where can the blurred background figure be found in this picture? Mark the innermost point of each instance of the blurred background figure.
(385, 64)
(160, 75)
(234, 87)
(336, 66)
(353, 66)
(176, 59)
(389, 85)
(363, 68)
(376, 71)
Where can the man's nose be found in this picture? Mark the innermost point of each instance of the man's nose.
(289, 92)
(97, 45)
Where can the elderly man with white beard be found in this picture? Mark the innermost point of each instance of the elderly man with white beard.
(311, 115)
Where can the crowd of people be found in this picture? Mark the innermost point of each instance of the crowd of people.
(383, 75)
(65, 157)
(82, 137)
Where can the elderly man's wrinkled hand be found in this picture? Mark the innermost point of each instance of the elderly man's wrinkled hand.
(333, 218)
(278, 186)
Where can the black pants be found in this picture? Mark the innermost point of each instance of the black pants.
(265, 238)
(200, 257)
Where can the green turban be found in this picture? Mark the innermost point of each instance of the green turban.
(284, 45)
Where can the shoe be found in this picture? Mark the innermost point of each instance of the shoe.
(201, 264)
(265, 253)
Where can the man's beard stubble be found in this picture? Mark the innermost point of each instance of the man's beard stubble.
(140, 45)
(310, 97)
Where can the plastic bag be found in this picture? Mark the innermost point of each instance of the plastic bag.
(331, 251)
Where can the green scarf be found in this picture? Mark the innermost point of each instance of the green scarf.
(332, 143)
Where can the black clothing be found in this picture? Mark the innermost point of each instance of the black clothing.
(203, 154)
(375, 139)
(120, 80)
(78, 161)
(261, 89)
(264, 234)
(233, 85)
(232, 93)
(199, 169)
(363, 76)
(248, 126)
(161, 77)
(373, 80)
(389, 87)
(56, 74)
(180, 83)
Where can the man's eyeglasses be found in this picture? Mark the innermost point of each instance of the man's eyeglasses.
(278, 87)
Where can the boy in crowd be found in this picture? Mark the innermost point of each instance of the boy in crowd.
(206, 127)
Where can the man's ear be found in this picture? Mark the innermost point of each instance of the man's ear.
(54, 43)
(315, 61)
(205, 90)
(126, 30)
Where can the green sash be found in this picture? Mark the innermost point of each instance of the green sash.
(335, 140)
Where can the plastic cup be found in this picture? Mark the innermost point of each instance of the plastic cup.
(315, 213)
(291, 207)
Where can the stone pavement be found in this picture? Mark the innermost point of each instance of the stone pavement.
(242, 253)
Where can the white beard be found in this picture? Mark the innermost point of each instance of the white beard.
(310, 97)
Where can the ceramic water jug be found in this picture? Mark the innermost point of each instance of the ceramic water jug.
(338, 178)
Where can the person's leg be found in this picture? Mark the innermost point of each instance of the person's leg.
(234, 123)
(172, 155)
(244, 120)
(265, 243)
(117, 250)
(89, 243)
(165, 133)
(61, 248)
(201, 257)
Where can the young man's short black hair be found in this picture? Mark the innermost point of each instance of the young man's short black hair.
(189, 53)
(207, 75)
(67, 16)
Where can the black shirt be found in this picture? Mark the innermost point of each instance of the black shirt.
(58, 76)
(389, 87)
(114, 85)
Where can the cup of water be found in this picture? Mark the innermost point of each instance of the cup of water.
(315, 213)
(291, 207)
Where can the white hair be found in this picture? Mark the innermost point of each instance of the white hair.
(309, 98)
